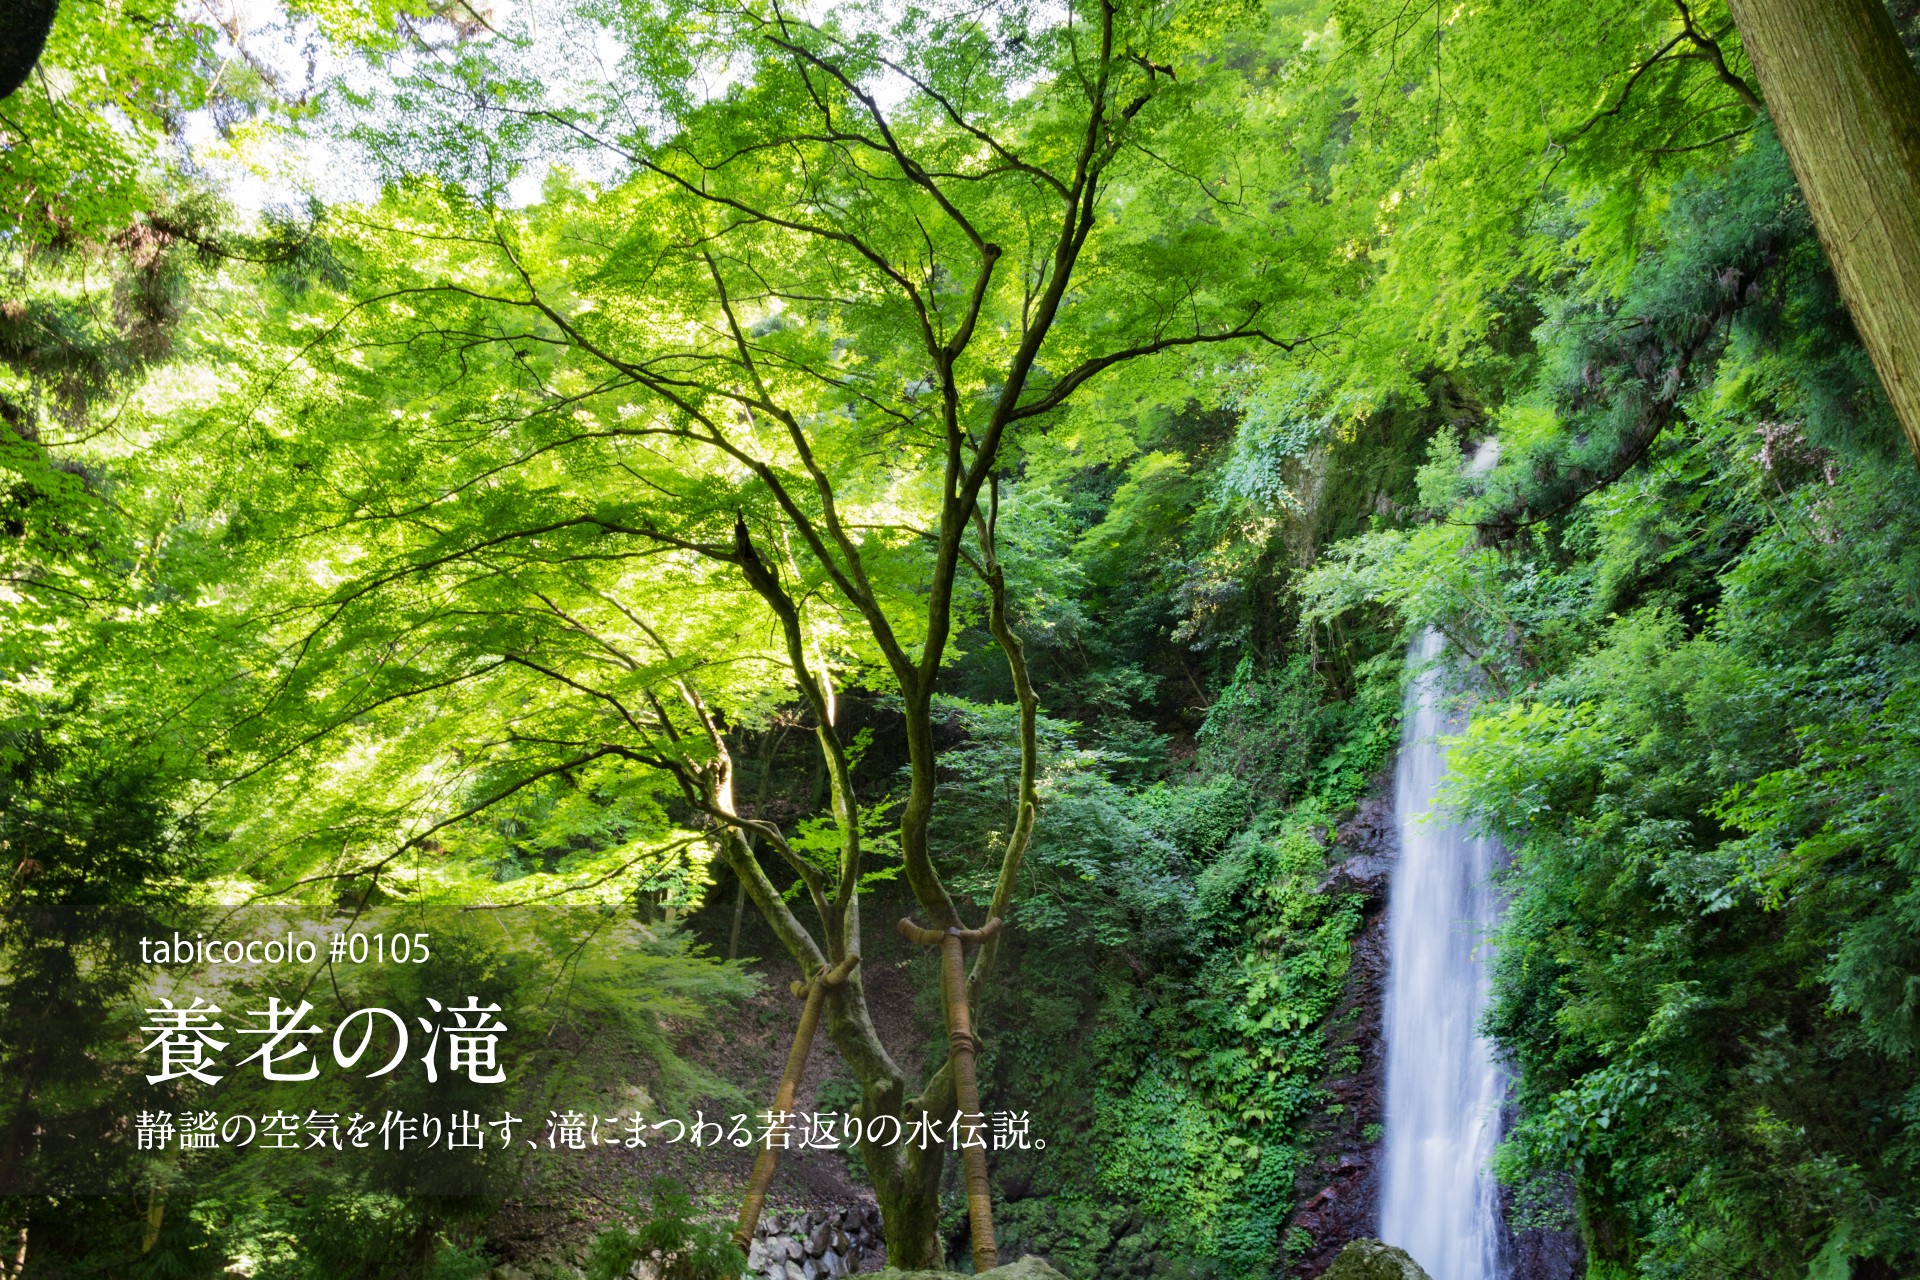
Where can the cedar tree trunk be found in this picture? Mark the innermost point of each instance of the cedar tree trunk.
(1845, 99)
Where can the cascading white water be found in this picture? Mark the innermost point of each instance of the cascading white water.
(1439, 1201)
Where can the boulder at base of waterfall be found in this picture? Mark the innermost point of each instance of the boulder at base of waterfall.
(1028, 1268)
(1372, 1260)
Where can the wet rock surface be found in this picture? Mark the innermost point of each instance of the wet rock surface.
(1339, 1190)
(1028, 1268)
(1368, 1259)
(1543, 1252)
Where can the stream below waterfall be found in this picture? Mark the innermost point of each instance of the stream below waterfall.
(1444, 1087)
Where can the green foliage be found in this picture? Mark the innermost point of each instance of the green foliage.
(1199, 1058)
(1694, 725)
(1286, 735)
(369, 1237)
(1084, 1236)
(85, 125)
(669, 1243)
(1202, 1120)
(1099, 878)
(645, 410)
(1691, 878)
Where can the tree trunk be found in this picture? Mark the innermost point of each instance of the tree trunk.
(23, 34)
(156, 1215)
(910, 1216)
(815, 994)
(1845, 99)
(905, 1179)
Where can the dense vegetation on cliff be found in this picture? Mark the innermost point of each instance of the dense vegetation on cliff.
(675, 460)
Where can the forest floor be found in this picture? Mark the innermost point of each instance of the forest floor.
(746, 1047)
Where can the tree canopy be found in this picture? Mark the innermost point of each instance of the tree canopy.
(668, 457)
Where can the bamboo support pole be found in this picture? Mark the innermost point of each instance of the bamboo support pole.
(961, 1050)
(815, 994)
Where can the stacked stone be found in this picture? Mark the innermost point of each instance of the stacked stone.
(818, 1244)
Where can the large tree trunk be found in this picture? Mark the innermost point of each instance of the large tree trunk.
(911, 1220)
(24, 25)
(1845, 99)
(905, 1179)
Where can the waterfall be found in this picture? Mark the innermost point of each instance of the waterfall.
(1438, 1199)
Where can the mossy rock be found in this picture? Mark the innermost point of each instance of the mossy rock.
(1372, 1260)
(1028, 1268)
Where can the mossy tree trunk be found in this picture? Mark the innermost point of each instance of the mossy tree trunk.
(1845, 99)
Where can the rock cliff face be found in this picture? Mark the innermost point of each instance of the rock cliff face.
(1540, 1253)
(1339, 1190)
